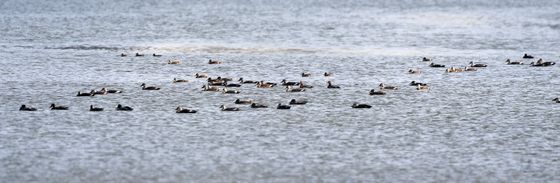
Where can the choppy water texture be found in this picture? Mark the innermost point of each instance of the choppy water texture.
(494, 125)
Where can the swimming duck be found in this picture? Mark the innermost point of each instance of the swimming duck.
(416, 71)
(305, 74)
(241, 80)
(224, 108)
(298, 102)
(257, 105)
(243, 101)
(472, 64)
(217, 83)
(139, 55)
(156, 55)
(541, 63)
(280, 106)
(110, 90)
(92, 108)
(373, 92)
(262, 84)
(424, 59)
(174, 61)
(225, 90)
(290, 83)
(175, 80)
(414, 83)
(387, 87)
(290, 89)
(25, 108)
(327, 74)
(144, 87)
(214, 62)
(556, 99)
(103, 91)
(226, 84)
(509, 62)
(422, 87)
(55, 107)
(360, 106)
(91, 93)
(200, 75)
(330, 85)
(301, 85)
(184, 110)
(210, 88)
(525, 56)
(454, 69)
(123, 55)
(123, 108)
(436, 65)
(468, 68)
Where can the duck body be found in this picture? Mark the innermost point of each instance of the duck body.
(210, 88)
(139, 55)
(200, 75)
(422, 87)
(175, 80)
(416, 71)
(174, 61)
(100, 92)
(243, 101)
(90, 94)
(305, 74)
(298, 102)
(93, 108)
(289, 83)
(226, 91)
(257, 105)
(156, 55)
(330, 85)
(424, 59)
(468, 68)
(281, 106)
(327, 74)
(360, 106)
(214, 62)
(414, 83)
(123, 55)
(262, 84)
(526, 56)
(26, 108)
(224, 108)
(454, 69)
(373, 92)
(184, 110)
(472, 64)
(144, 87)
(557, 100)
(232, 85)
(241, 80)
(55, 107)
(541, 63)
(123, 108)
(509, 62)
(387, 87)
(290, 89)
(436, 65)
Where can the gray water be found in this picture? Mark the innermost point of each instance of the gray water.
(497, 124)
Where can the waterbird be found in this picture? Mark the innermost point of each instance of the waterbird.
(26, 108)
(144, 87)
(360, 106)
(180, 109)
(93, 108)
(123, 108)
(60, 107)
(281, 106)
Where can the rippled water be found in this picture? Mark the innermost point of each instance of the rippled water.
(497, 124)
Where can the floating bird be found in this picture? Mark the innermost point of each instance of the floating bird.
(330, 85)
(472, 64)
(241, 80)
(436, 65)
(175, 80)
(214, 61)
(144, 87)
(509, 62)
(373, 92)
(184, 110)
(123, 108)
(387, 87)
(327, 74)
(224, 108)
(305, 74)
(243, 101)
(360, 106)
(257, 105)
(92, 108)
(200, 75)
(91, 93)
(25, 108)
(55, 107)
(280, 106)
(156, 55)
(525, 56)
(139, 55)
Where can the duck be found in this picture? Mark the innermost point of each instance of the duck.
(224, 108)
(387, 87)
(25, 108)
(525, 56)
(298, 102)
(557, 100)
(60, 107)
(257, 105)
(217, 83)
(180, 109)
(174, 61)
(305, 74)
(468, 68)
(509, 62)
(214, 62)
(200, 75)
(175, 80)
(290, 89)
(139, 55)
(156, 55)
(301, 85)
(373, 92)
(91, 93)
(422, 87)
(289, 83)
(327, 74)
(111, 90)
(225, 90)
(472, 64)
(123, 55)
(92, 108)
(424, 59)
(226, 84)
(415, 71)
(360, 106)
(436, 65)
(241, 80)
(262, 84)
(414, 83)
(100, 92)
(123, 108)
(281, 106)
(454, 69)
(210, 88)
(541, 63)
(243, 101)
(144, 87)
(330, 85)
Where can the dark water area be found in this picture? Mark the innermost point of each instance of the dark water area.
(496, 124)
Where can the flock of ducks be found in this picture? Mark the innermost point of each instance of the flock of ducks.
(225, 85)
